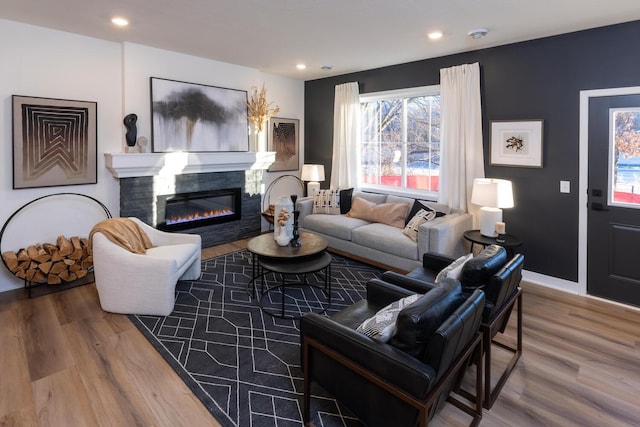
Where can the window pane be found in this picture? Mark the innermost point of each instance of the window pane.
(423, 145)
(401, 142)
(626, 157)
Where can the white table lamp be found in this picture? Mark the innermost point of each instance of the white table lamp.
(493, 195)
(314, 174)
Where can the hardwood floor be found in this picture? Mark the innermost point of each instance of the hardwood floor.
(65, 362)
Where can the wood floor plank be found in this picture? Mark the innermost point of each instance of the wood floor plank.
(76, 304)
(115, 399)
(166, 395)
(46, 348)
(15, 388)
(53, 406)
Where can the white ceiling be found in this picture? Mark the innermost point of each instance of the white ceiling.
(348, 35)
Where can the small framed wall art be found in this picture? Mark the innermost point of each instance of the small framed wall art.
(283, 135)
(54, 142)
(195, 117)
(517, 143)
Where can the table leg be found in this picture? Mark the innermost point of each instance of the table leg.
(282, 291)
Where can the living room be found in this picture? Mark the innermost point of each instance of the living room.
(539, 79)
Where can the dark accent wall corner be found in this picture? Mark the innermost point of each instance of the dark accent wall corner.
(539, 79)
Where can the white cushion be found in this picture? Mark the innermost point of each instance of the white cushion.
(422, 216)
(454, 269)
(326, 202)
(382, 325)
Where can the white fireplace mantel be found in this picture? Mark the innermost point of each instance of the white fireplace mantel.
(129, 165)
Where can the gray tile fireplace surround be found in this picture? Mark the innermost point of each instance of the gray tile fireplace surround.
(137, 198)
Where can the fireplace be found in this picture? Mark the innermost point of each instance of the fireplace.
(195, 209)
(145, 197)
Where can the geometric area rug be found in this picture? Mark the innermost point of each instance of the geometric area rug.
(243, 364)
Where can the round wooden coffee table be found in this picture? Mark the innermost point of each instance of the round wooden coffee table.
(267, 257)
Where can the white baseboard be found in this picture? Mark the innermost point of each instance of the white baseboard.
(553, 282)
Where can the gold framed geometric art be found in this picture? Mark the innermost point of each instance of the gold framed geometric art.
(54, 142)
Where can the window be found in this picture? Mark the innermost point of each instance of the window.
(624, 158)
(400, 140)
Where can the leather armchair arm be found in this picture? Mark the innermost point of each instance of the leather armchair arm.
(385, 361)
(435, 262)
(381, 293)
(407, 282)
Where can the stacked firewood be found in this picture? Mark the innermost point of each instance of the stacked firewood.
(66, 261)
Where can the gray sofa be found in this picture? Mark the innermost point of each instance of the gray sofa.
(384, 244)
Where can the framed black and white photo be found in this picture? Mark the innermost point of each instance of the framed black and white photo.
(517, 143)
(194, 117)
(283, 135)
(54, 142)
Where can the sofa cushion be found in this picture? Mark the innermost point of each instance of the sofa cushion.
(392, 214)
(382, 325)
(477, 271)
(338, 226)
(372, 197)
(417, 322)
(181, 253)
(421, 204)
(385, 238)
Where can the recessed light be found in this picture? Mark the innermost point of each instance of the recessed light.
(119, 21)
(326, 67)
(435, 35)
(301, 66)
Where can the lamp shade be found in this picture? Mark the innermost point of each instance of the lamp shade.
(492, 193)
(314, 173)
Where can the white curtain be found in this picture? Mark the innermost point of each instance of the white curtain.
(462, 157)
(346, 134)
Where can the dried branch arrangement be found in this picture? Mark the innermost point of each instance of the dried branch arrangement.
(259, 109)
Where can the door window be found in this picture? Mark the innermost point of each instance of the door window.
(624, 157)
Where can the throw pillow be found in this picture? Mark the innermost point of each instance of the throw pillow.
(417, 206)
(345, 200)
(326, 202)
(332, 202)
(454, 269)
(411, 229)
(385, 213)
(382, 325)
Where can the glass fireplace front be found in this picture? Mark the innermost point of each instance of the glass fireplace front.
(190, 210)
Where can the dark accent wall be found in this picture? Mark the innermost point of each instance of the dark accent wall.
(539, 79)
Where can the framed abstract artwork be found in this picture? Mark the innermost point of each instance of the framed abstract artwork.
(194, 117)
(516, 143)
(54, 142)
(283, 136)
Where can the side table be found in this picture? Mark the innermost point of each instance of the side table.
(510, 241)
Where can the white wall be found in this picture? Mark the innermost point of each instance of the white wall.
(46, 63)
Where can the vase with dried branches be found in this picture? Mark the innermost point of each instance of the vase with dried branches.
(259, 111)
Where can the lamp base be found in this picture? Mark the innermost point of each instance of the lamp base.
(312, 188)
(488, 219)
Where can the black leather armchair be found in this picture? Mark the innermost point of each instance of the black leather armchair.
(500, 278)
(401, 382)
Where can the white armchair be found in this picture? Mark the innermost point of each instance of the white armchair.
(129, 283)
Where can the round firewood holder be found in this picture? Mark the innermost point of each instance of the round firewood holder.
(29, 285)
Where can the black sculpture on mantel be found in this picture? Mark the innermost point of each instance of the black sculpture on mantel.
(132, 132)
(295, 241)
